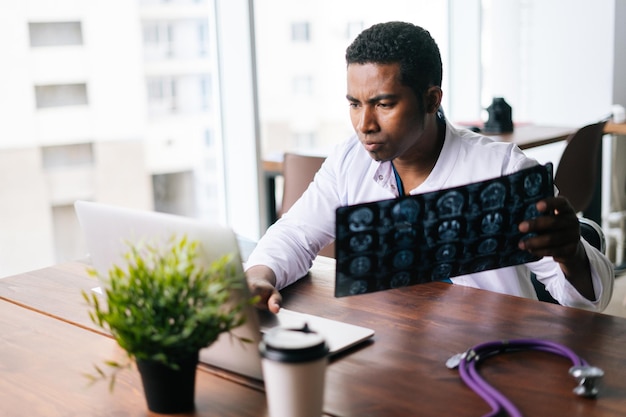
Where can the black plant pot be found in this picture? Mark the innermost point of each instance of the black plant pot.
(167, 390)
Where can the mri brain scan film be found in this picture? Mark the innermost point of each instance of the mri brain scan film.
(437, 235)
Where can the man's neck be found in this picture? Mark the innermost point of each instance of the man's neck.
(413, 169)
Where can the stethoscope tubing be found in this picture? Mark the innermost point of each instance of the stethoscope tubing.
(495, 399)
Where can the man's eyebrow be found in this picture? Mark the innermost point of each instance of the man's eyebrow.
(374, 99)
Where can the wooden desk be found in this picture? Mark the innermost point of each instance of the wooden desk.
(401, 372)
(420, 327)
(531, 136)
(528, 136)
(42, 361)
(47, 343)
(615, 128)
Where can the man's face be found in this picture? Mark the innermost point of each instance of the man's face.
(385, 113)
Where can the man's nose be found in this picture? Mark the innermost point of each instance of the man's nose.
(367, 120)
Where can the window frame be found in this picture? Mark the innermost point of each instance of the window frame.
(244, 188)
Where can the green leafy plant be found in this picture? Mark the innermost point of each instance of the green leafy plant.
(162, 306)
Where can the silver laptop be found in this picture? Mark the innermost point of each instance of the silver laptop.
(107, 229)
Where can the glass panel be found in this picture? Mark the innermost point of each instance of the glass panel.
(60, 95)
(68, 240)
(174, 193)
(67, 155)
(301, 68)
(300, 32)
(55, 33)
(135, 101)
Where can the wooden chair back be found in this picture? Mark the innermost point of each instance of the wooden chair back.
(298, 173)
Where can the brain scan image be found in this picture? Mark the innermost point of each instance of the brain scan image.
(446, 253)
(449, 230)
(482, 265)
(531, 211)
(493, 196)
(361, 242)
(522, 257)
(491, 223)
(406, 211)
(401, 279)
(450, 204)
(439, 234)
(403, 259)
(358, 287)
(487, 246)
(404, 236)
(441, 272)
(532, 184)
(360, 265)
(386, 224)
(361, 219)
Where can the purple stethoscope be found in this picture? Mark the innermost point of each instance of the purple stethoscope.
(468, 361)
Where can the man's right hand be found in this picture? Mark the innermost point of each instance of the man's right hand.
(262, 281)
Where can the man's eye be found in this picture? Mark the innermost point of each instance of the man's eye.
(353, 105)
(384, 105)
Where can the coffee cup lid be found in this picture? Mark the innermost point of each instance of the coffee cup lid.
(293, 345)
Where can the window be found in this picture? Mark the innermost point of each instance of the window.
(303, 85)
(60, 95)
(304, 140)
(300, 56)
(155, 58)
(68, 239)
(300, 32)
(60, 156)
(161, 96)
(157, 40)
(203, 38)
(151, 33)
(174, 193)
(55, 34)
(205, 92)
(209, 139)
(353, 29)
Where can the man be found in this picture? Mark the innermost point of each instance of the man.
(404, 145)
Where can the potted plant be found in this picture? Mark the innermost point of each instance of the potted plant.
(162, 307)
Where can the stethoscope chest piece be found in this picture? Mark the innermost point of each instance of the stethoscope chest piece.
(587, 377)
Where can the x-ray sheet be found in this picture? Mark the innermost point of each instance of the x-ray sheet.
(437, 235)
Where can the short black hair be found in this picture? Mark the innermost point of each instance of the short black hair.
(399, 42)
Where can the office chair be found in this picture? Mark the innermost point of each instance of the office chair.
(298, 172)
(593, 234)
(578, 173)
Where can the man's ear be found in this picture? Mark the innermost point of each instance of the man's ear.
(433, 99)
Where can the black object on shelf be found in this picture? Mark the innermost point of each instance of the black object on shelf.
(500, 117)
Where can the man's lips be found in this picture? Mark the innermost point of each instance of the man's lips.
(373, 146)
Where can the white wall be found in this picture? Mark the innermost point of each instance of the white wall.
(552, 59)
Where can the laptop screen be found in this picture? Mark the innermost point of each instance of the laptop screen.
(437, 235)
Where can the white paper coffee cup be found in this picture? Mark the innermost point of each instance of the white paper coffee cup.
(294, 368)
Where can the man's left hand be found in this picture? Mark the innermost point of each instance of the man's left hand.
(557, 234)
